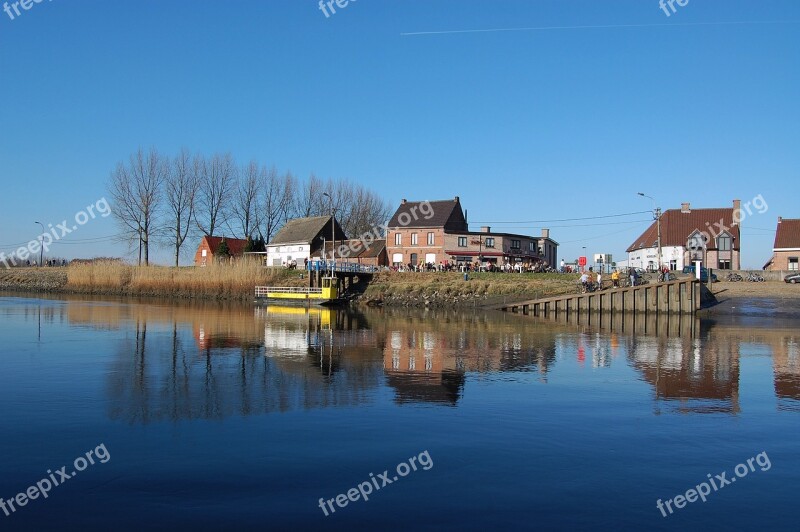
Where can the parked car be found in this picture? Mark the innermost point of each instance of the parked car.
(703, 273)
(793, 278)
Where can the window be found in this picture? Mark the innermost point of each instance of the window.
(414, 239)
(673, 265)
(489, 242)
(515, 244)
(462, 241)
(398, 239)
(696, 242)
(431, 239)
(724, 264)
(793, 265)
(724, 243)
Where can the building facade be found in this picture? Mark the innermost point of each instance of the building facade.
(437, 233)
(710, 236)
(299, 239)
(209, 245)
(786, 249)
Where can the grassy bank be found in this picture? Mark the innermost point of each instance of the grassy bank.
(442, 289)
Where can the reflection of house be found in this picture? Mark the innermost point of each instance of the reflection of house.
(786, 364)
(300, 239)
(708, 235)
(433, 232)
(690, 377)
(786, 250)
(209, 246)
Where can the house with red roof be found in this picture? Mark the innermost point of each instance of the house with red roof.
(209, 246)
(786, 249)
(710, 236)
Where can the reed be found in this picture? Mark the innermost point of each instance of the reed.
(219, 281)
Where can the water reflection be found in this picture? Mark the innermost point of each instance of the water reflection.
(209, 361)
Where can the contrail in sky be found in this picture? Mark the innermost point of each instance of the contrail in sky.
(606, 26)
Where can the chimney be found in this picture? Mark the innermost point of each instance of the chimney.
(404, 201)
(486, 229)
(737, 211)
(457, 199)
(685, 208)
(545, 233)
(780, 219)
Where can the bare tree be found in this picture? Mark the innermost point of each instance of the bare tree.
(180, 192)
(246, 208)
(368, 211)
(308, 199)
(216, 181)
(277, 200)
(136, 190)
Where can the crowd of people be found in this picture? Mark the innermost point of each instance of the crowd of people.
(470, 267)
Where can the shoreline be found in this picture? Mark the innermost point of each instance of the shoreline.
(389, 289)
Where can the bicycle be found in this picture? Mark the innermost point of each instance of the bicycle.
(734, 278)
(755, 278)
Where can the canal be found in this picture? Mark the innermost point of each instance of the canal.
(209, 416)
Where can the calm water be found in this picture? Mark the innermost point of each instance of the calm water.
(241, 418)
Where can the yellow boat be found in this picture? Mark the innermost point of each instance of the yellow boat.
(327, 294)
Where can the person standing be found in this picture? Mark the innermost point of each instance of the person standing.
(600, 279)
(633, 277)
(615, 278)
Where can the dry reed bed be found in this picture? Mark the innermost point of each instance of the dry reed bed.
(229, 281)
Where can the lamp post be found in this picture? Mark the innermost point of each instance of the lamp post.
(41, 241)
(584, 255)
(333, 233)
(657, 215)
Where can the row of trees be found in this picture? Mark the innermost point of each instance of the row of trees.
(163, 200)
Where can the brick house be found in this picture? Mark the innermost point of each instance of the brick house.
(786, 249)
(357, 251)
(437, 232)
(711, 236)
(207, 250)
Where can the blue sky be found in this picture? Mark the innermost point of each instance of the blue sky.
(522, 125)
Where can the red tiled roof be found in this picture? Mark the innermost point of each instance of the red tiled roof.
(788, 234)
(678, 226)
(235, 245)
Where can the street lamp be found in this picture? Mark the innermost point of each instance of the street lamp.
(41, 241)
(584, 256)
(333, 233)
(657, 215)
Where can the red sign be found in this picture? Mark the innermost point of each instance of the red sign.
(581, 261)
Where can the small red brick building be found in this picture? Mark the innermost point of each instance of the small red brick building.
(786, 250)
(207, 250)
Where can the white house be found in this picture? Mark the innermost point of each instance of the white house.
(711, 236)
(300, 239)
